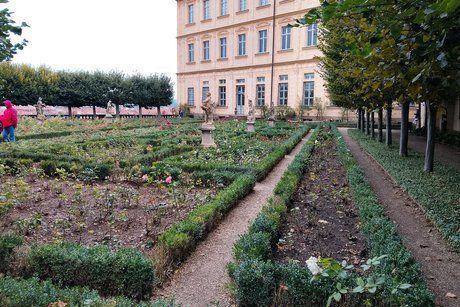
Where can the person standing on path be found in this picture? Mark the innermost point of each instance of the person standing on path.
(9, 121)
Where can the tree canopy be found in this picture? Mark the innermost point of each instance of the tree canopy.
(9, 27)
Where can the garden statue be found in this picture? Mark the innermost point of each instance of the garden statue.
(251, 115)
(109, 107)
(39, 107)
(208, 107)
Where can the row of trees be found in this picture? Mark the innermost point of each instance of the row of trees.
(24, 85)
(377, 52)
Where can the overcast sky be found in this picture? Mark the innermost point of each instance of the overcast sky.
(129, 36)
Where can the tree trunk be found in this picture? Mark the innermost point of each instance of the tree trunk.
(419, 116)
(389, 140)
(363, 121)
(430, 130)
(404, 133)
(426, 120)
(368, 121)
(380, 118)
(158, 111)
(373, 125)
(359, 118)
(117, 110)
(69, 108)
(94, 112)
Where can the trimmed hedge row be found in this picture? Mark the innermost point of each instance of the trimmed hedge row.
(426, 189)
(124, 272)
(264, 166)
(7, 244)
(181, 238)
(254, 249)
(33, 292)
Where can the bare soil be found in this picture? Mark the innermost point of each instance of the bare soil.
(438, 262)
(322, 219)
(201, 280)
(114, 214)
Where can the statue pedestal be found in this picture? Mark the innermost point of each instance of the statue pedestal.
(207, 139)
(271, 122)
(251, 126)
(108, 117)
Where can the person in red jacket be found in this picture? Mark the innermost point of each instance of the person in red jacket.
(9, 121)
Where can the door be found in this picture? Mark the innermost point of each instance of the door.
(240, 99)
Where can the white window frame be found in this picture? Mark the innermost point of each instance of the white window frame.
(263, 2)
(191, 13)
(191, 53)
(223, 7)
(223, 47)
(243, 5)
(285, 38)
(206, 10)
(308, 93)
(263, 34)
(205, 50)
(260, 94)
(191, 96)
(241, 44)
(204, 92)
(283, 92)
(222, 93)
(312, 35)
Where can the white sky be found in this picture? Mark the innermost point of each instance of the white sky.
(124, 35)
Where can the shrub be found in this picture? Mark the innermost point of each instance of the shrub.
(252, 246)
(7, 245)
(49, 167)
(124, 272)
(255, 282)
(33, 292)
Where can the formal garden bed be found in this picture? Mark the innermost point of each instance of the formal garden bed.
(270, 269)
(138, 199)
(429, 190)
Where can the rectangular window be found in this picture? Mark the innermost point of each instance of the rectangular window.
(191, 53)
(222, 93)
(240, 81)
(262, 41)
(190, 96)
(242, 44)
(312, 32)
(260, 79)
(205, 92)
(243, 5)
(284, 77)
(223, 7)
(223, 47)
(308, 93)
(263, 2)
(206, 50)
(283, 94)
(191, 15)
(309, 76)
(260, 94)
(285, 38)
(206, 10)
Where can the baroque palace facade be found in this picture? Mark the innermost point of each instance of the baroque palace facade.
(240, 50)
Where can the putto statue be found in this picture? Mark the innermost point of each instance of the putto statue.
(251, 114)
(39, 108)
(208, 107)
(109, 107)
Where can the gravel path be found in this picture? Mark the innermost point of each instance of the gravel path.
(438, 263)
(201, 280)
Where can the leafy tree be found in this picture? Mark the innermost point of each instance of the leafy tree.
(7, 27)
(413, 43)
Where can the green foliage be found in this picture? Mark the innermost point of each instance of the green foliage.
(293, 284)
(49, 167)
(7, 244)
(8, 27)
(124, 272)
(251, 273)
(252, 246)
(426, 189)
(33, 292)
